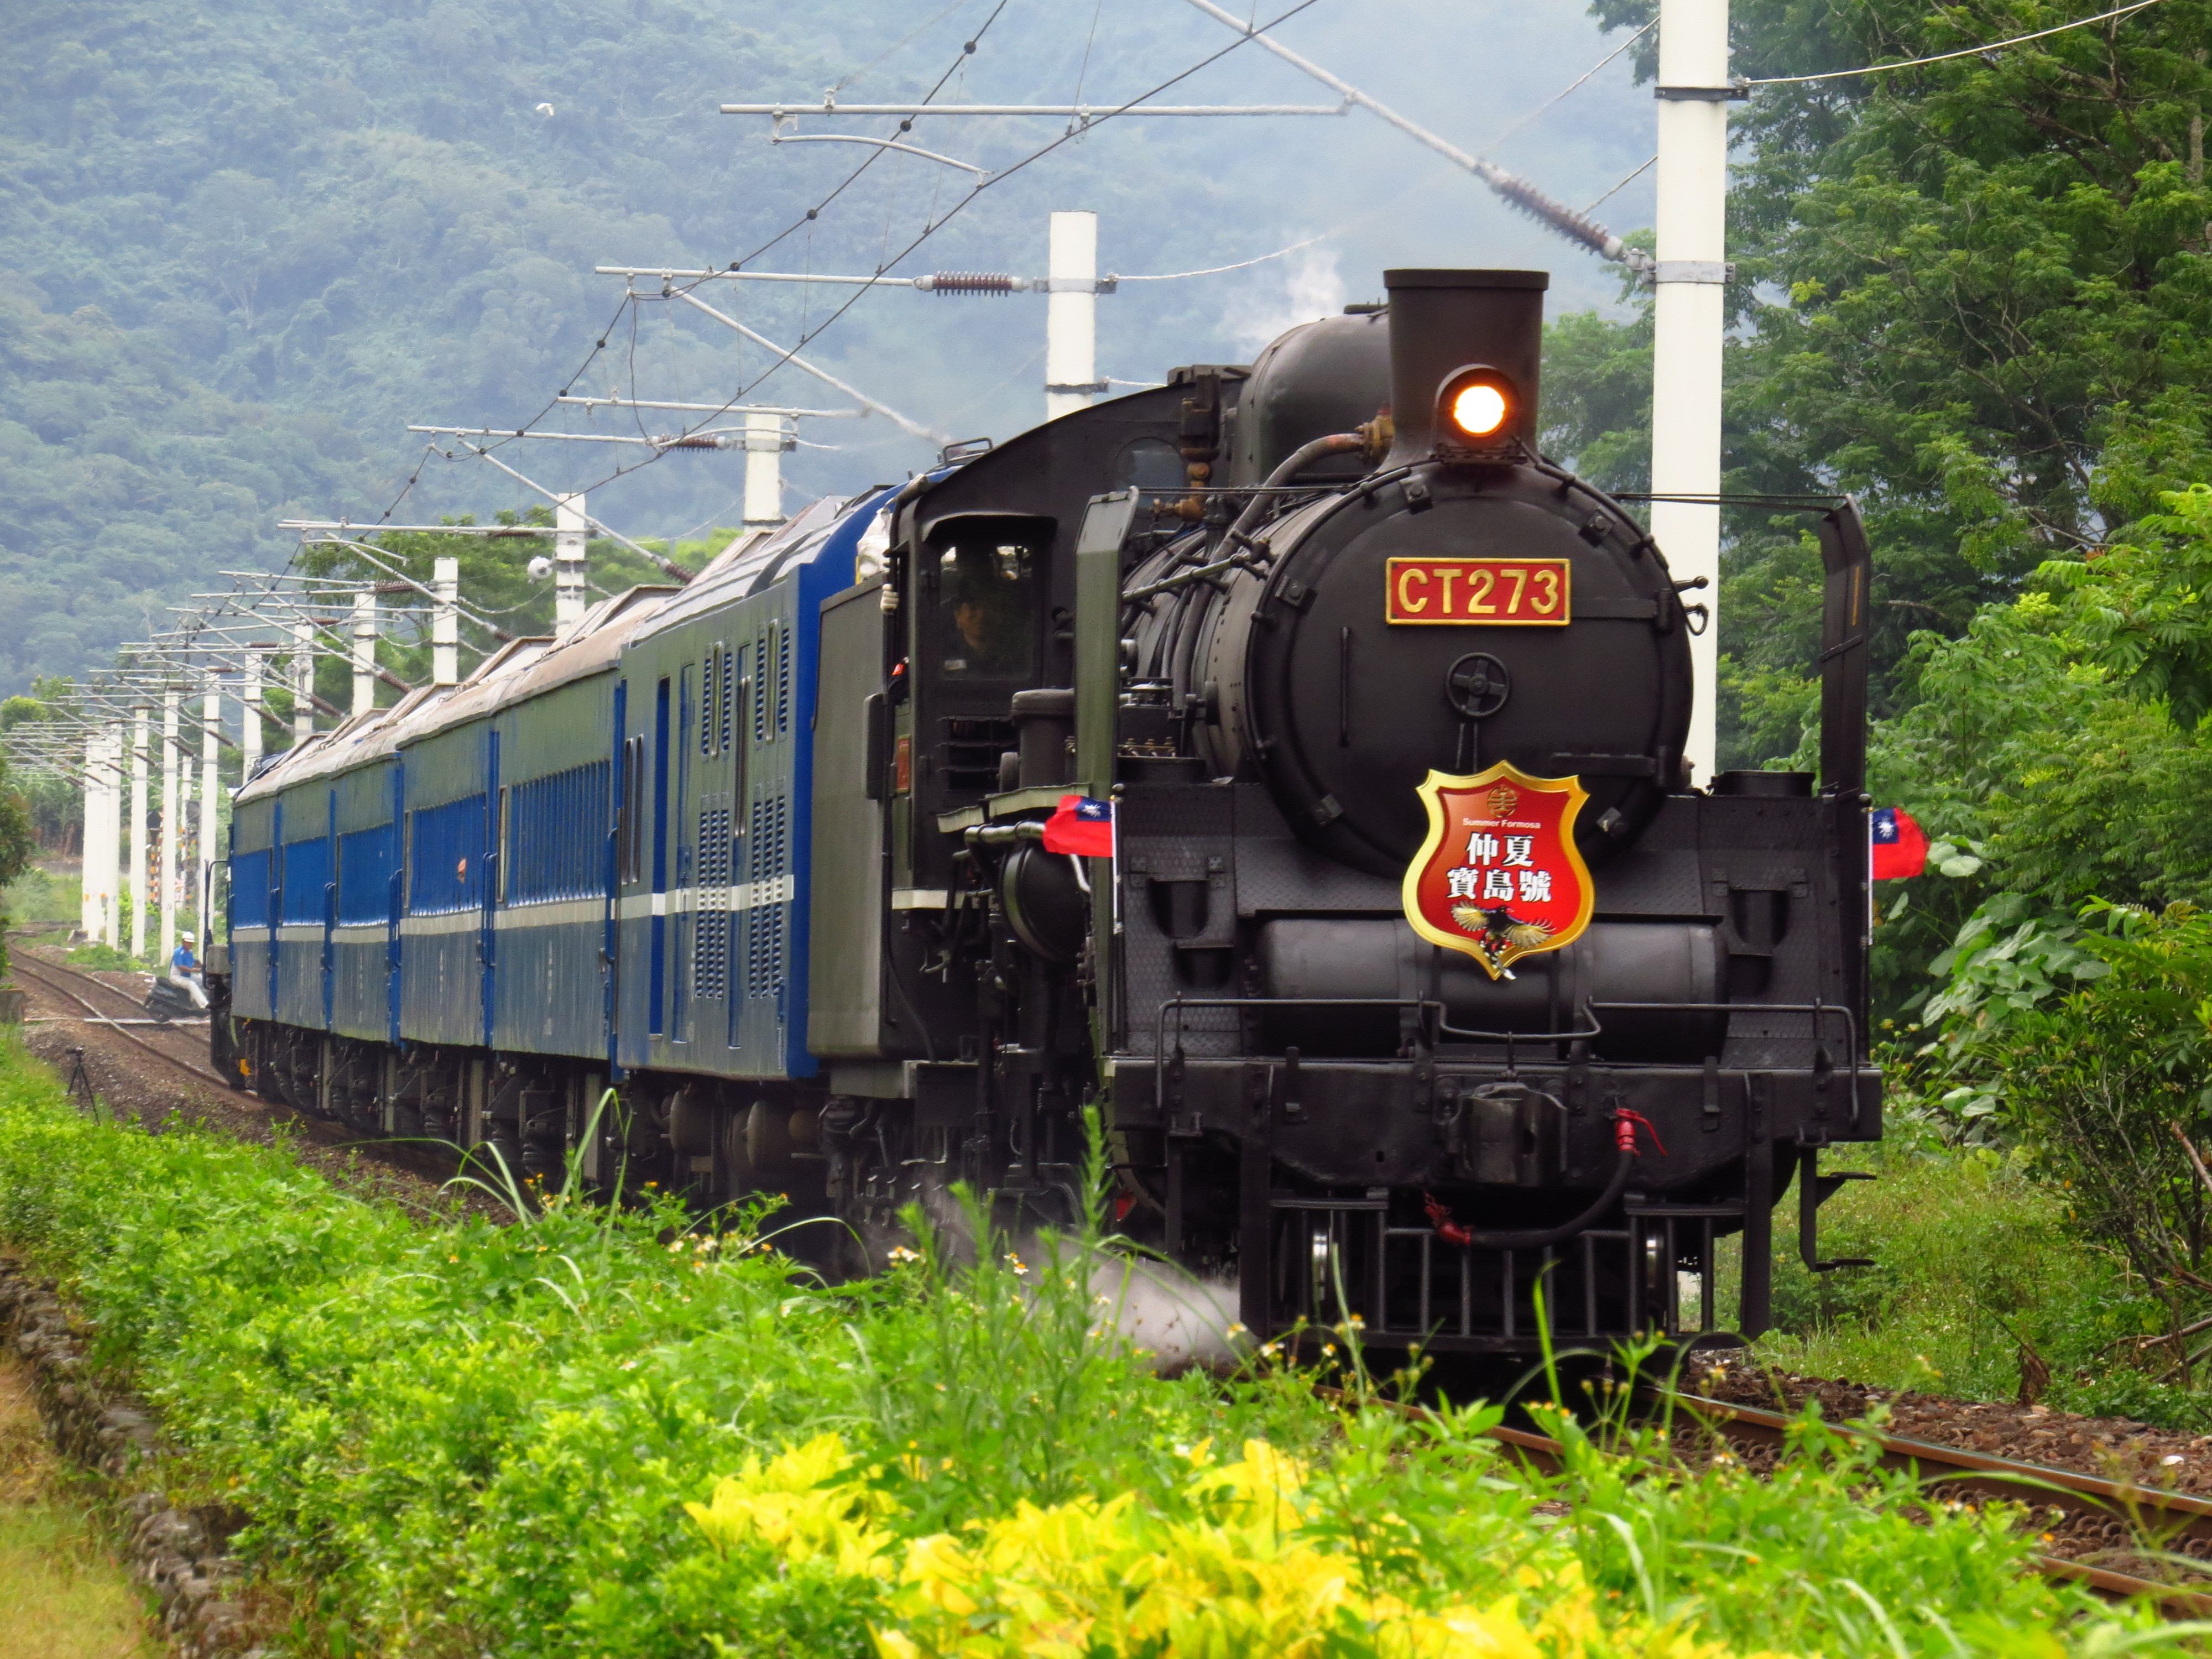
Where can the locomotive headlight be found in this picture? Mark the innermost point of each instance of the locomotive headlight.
(1478, 409)
(1477, 406)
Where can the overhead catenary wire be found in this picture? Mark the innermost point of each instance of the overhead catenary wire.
(967, 51)
(1413, 188)
(851, 75)
(1241, 265)
(630, 299)
(1624, 183)
(928, 230)
(1944, 57)
(1519, 192)
(1579, 82)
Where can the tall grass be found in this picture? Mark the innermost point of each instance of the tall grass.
(1976, 1267)
(463, 1438)
(64, 1596)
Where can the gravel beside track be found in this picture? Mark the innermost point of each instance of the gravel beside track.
(161, 1074)
(2112, 1448)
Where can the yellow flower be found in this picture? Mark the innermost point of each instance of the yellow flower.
(1115, 1576)
(797, 1505)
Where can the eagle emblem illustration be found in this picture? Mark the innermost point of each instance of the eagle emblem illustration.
(1499, 928)
(1498, 877)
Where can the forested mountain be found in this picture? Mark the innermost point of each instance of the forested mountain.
(243, 242)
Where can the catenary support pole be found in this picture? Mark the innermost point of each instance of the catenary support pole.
(364, 651)
(111, 874)
(103, 833)
(764, 445)
(211, 735)
(1071, 321)
(1689, 320)
(303, 681)
(249, 717)
(140, 860)
(446, 623)
(92, 896)
(172, 753)
(571, 529)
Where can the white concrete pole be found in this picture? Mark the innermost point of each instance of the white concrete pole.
(112, 931)
(211, 723)
(249, 717)
(103, 823)
(765, 442)
(303, 682)
(364, 651)
(446, 623)
(570, 546)
(89, 896)
(140, 860)
(172, 779)
(1685, 379)
(1071, 318)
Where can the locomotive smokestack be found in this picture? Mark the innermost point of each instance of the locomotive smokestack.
(1442, 322)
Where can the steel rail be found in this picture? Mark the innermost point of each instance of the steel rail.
(23, 958)
(2145, 1508)
(2162, 1517)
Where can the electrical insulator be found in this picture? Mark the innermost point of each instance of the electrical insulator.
(972, 281)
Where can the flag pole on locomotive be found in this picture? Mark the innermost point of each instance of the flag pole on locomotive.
(1082, 827)
(1897, 848)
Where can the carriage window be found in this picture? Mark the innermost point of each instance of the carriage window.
(987, 610)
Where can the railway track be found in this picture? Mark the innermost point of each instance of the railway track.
(51, 976)
(2136, 1519)
(322, 1140)
(2130, 1519)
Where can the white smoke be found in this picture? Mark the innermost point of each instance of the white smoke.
(1162, 1310)
(1300, 287)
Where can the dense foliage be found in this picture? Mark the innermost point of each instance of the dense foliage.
(613, 1432)
(1977, 295)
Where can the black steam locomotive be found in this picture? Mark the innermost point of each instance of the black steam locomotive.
(1285, 763)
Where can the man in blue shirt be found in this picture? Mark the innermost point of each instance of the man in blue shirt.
(177, 992)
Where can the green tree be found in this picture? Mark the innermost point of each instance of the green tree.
(1977, 294)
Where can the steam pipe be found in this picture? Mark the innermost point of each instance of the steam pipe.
(1336, 443)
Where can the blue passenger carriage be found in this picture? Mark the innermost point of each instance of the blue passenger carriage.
(463, 916)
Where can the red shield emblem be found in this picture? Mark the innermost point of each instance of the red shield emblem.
(1498, 876)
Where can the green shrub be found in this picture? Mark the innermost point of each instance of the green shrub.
(468, 1438)
(1973, 1258)
(103, 958)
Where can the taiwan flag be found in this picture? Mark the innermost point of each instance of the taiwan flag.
(1081, 825)
(1900, 846)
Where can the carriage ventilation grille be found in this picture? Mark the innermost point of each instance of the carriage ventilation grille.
(722, 708)
(710, 973)
(764, 918)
